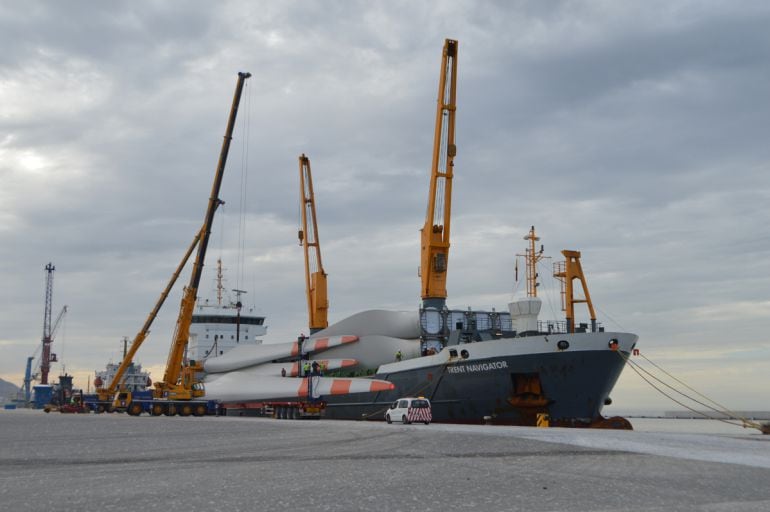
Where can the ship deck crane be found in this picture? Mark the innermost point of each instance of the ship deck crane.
(434, 237)
(567, 271)
(179, 376)
(315, 277)
(435, 233)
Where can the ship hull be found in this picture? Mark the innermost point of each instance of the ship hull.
(509, 381)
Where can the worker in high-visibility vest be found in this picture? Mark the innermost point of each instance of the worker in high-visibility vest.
(306, 368)
(398, 356)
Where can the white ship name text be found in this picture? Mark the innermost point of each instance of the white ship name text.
(480, 367)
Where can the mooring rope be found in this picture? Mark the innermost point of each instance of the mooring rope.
(745, 422)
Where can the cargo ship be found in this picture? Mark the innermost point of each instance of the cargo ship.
(476, 367)
(507, 367)
(134, 379)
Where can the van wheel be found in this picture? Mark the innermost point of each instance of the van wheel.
(427, 422)
(387, 418)
(404, 420)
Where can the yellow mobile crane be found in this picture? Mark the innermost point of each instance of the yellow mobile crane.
(434, 249)
(176, 392)
(112, 396)
(179, 377)
(315, 277)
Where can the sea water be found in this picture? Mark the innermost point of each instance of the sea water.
(691, 426)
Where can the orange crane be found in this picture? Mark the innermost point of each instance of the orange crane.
(567, 271)
(315, 277)
(435, 233)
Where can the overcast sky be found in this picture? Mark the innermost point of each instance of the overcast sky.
(634, 132)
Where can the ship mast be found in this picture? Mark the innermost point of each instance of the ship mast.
(532, 257)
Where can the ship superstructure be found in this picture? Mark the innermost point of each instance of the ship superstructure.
(134, 379)
(218, 327)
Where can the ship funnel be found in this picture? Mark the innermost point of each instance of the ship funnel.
(524, 314)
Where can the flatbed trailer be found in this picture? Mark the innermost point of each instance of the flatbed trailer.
(282, 410)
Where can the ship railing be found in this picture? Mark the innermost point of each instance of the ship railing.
(560, 327)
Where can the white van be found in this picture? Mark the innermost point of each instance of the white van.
(410, 410)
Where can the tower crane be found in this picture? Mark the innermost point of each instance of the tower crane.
(315, 277)
(435, 233)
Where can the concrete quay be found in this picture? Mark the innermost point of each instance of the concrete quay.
(51, 462)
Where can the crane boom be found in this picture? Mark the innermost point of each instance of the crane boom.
(435, 233)
(47, 357)
(112, 387)
(169, 386)
(58, 320)
(315, 277)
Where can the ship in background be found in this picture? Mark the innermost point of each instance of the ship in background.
(134, 379)
(218, 327)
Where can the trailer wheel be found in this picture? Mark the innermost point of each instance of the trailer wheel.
(185, 410)
(100, 408)
(156, 409)
(295, 413)
(170, 410)
(135, 409)
(200, 410)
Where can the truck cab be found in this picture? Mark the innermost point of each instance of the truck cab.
(409, 410)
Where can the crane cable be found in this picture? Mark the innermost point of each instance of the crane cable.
(636, 367)
(246, 124)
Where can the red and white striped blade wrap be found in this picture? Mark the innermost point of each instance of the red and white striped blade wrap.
(251, 355)
(312, 345)
(243, 386)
